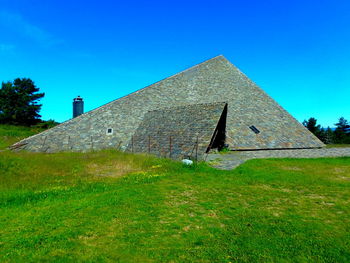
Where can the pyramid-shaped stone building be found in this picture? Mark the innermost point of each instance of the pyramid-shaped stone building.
(206, 106)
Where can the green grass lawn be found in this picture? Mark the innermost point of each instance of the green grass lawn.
(337, 145)
(109, 206)
(10, 134)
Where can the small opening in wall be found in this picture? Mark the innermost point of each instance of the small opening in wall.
(254, 129)
(109, 131)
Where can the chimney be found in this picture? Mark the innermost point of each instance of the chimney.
(78, 106)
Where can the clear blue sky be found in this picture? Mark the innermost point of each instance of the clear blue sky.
(297, 51)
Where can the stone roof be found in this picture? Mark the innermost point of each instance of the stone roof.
(176, 132)
(214, 80)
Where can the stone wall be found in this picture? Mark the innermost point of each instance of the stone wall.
(178, 132)
(212, 81)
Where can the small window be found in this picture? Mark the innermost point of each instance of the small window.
(254, 129)
(109, 131)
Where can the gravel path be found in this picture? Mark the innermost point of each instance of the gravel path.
(231, 160)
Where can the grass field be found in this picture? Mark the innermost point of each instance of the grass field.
(113, 207)
(337, 145)
(10, 134)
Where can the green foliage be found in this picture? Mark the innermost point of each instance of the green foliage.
(316, 129)
(342, 132)
(47, 124)
(328, 137)
(310, 124)
(338, 146)
(19, 102)
(341, 135)
(224, 150)
(109, 206)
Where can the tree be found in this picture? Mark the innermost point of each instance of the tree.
(47, 124)
(343, 125)
(19, 102)
(342, 132)
(312, 127)
(328, 136)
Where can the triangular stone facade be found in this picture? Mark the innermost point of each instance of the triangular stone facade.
(215, 80)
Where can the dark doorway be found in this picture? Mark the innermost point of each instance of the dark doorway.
(219, 137)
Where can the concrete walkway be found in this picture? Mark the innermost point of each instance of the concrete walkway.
(233, 159)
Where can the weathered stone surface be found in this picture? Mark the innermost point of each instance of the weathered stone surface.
(178, 132)
(215, 80)
(233, 159)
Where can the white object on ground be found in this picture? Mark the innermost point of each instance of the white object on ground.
(187, 161)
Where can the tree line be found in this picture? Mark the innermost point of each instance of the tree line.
(19, 104)
(339, 135)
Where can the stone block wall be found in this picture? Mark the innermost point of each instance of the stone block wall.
(177, 132)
